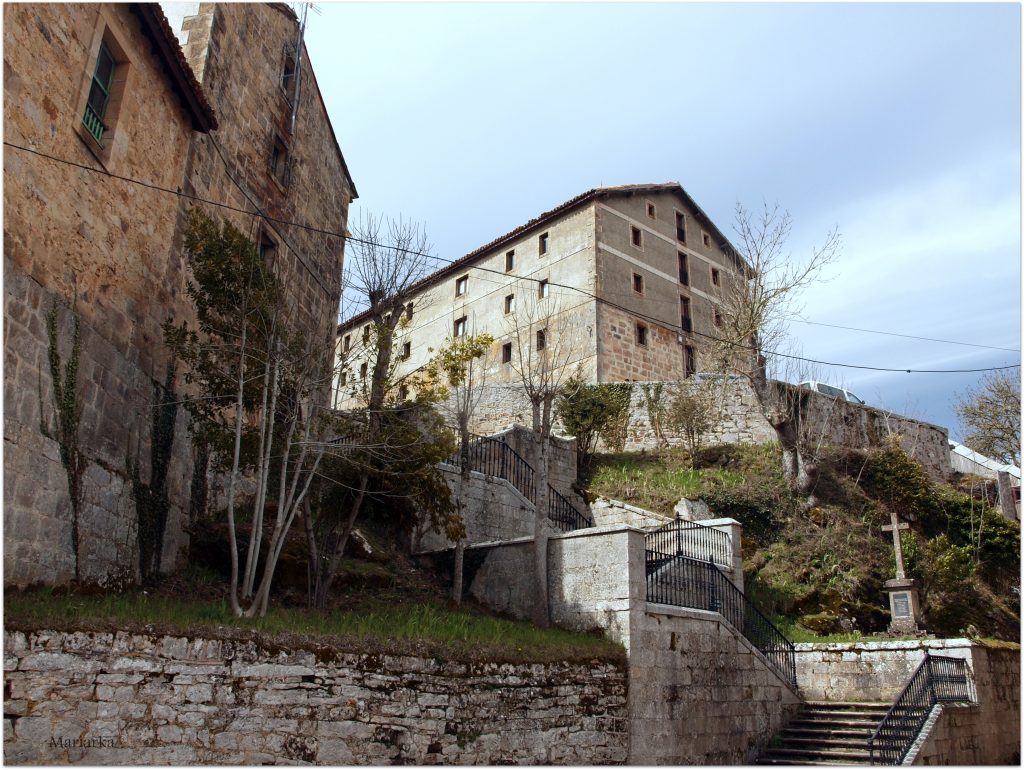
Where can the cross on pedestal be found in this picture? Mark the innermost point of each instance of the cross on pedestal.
(895, 528)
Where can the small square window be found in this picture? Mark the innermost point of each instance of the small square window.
(406, 350)
(510, 260)
(459, 329)
(718, 318)
(707, 239)
(510, 303)
(408, 311)
(716, 278)
(641, 334)
(461, 285)
(542, 244)
(651, 211)
(506, 353)
(638, 283)
(346, 344)
(542, 339)
(684, 269)
(636, 236)
(362, 372)
(542, 289)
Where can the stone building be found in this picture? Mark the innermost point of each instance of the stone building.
(108, 124)
(626, 278)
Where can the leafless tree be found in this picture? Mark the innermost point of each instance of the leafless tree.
(547, 344)
(990, 416)
(756, 305)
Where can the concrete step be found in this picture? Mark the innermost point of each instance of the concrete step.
(856, 743)
(848, 756)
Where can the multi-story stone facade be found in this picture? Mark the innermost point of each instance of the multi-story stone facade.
(108, 124)
(626, 278)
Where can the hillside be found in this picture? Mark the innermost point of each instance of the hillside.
(820, 571)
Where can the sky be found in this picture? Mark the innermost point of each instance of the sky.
(897, 124)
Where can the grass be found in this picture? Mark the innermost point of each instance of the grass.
(655, 481)
(422, 628)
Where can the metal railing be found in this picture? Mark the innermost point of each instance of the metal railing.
(564, 513)
(493, 457)
(939, 679)
(685, 582)
(693, 539)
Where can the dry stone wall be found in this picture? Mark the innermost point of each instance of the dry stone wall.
(94, 698)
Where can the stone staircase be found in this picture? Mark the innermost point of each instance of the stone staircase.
(826, 734)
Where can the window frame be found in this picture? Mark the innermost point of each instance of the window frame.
(638, 284)
(636, 237)
(510, 303)
(543, 289)
(641, 334)
(541, 339)
(407, 350)
(543, 245)
(716, 277)
(510, 260)
(462, 285)
(459, 327)
(506, 353)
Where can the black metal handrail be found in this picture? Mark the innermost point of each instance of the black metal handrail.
(564, 513)
(493, 457)
(693, 539)
(939, 679)
(685, 582)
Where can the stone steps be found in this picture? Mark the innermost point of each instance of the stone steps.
(826, 734)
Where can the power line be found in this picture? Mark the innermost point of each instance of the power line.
(907, 336)
(445, 260)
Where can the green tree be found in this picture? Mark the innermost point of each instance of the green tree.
(694, 412)
(590, 413)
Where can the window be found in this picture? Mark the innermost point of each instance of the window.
(685, 321)
(636, 237)
(716, 278)
(99, 93)
(366, 334)
(288, 73)
(362, 372)
(542, 244)
(689, 362)
(506, 353)
(279, 161)
(651, 211)
(641, 334)
(542, 339)
(707, 239)
(510, 260)
(542, 289)
(403, 392)
(459, 329)
(461, 285)
(343, 379)
(408, 311)
(684, 270)
(406, 350)
(510, 303)
(638, 283)
(718, 318)
(267, 247)
(680, 227)
(346, 343)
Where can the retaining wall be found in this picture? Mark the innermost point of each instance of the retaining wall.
(94, 698)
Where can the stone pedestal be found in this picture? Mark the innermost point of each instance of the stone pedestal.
(904, 606)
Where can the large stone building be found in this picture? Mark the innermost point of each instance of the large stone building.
(113, 133)
(629, 275)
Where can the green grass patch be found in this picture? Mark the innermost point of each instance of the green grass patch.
(423, 628)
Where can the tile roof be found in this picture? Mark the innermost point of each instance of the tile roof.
(547, 216)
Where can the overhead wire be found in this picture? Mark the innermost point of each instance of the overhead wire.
(445, 260)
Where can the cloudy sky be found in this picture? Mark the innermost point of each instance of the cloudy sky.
(900, 124)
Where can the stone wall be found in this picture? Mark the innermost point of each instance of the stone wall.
(828, 423)
(494, 511)
(143, 700)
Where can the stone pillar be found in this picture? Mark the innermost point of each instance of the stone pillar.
(735, 532)
(1007, 502)
(904, 606)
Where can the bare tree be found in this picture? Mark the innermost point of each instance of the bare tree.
(547, 345)
(696, 410)
(755, 306)
(990, 417)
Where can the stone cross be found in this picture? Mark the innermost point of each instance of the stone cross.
(895, 528)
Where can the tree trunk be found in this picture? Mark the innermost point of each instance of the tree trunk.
(540, 614)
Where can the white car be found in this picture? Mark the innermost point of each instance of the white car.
(831, 391)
